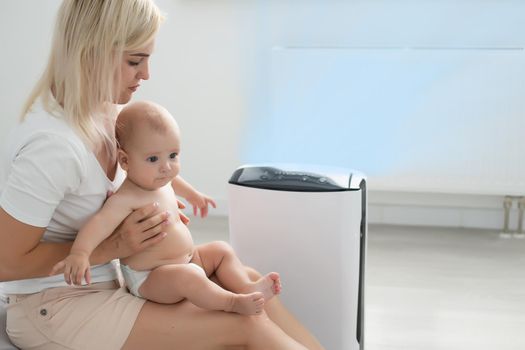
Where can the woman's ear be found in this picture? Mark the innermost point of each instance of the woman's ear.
(123, 159)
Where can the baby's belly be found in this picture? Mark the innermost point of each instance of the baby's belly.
(175, 248)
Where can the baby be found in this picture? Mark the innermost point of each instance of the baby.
(173, 269)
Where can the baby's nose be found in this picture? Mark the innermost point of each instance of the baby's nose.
(165, 167)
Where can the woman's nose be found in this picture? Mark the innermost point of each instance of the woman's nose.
(143, 73)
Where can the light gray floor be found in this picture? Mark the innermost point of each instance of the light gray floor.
(434, 288)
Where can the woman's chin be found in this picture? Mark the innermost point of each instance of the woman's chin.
(124, 98)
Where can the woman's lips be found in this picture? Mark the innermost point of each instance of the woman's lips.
(134, 88)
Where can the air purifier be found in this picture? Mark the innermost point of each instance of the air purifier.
(309, 224)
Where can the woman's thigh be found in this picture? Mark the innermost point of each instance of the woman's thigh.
(185, 326)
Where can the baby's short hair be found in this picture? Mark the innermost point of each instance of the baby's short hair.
(137, 115)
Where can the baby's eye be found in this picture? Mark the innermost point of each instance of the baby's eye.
(152, 159)
(173, 155)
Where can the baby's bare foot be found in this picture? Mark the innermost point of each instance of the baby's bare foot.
(247, 304)
(268, 285)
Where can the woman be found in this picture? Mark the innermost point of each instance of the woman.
(59, 165)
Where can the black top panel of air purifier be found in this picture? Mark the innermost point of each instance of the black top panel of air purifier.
(286, 179)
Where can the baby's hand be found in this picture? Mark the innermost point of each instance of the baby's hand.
(200, 201)
(75, 266)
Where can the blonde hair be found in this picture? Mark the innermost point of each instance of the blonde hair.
(89, 40)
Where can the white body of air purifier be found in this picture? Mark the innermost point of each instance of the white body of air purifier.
(309, 225)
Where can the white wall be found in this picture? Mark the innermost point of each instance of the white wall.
(197, 73)
(25, 36)
(212, 62)
(373, 24)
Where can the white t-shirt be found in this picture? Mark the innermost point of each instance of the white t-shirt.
(49, 178)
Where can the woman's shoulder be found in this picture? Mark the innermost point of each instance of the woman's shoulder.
(40, 126)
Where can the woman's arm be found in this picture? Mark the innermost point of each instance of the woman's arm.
(23, 255)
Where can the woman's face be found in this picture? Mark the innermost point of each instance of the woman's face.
(134, 68)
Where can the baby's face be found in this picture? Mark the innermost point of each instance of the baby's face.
(153, 157)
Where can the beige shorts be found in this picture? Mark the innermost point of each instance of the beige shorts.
(99, 316)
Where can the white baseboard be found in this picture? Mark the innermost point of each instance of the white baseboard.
(439, 209)
(429, 209)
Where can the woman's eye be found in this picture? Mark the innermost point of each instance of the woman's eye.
(173, 155)
(132, 63)
(153, 159)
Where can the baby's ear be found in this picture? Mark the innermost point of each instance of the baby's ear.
(122, 157)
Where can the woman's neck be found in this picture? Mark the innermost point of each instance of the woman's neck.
(107, 162)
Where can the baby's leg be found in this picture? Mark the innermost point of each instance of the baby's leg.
(219, 258)
(169, 284)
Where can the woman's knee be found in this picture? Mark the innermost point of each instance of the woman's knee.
(253, 325)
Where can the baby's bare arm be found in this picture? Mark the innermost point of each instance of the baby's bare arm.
(76, 265)
(102, 224)
(198, 200)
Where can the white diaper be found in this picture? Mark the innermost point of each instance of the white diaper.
(134, 279)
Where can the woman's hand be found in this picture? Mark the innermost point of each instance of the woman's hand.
(141, 229)
(185, 220)
(200, 201)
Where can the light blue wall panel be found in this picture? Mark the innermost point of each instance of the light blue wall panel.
(424, 95)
